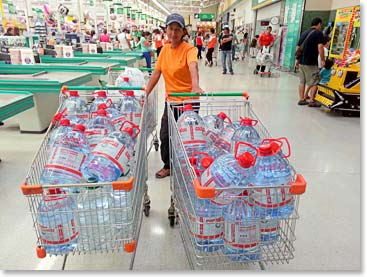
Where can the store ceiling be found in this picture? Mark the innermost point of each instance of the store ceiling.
(188, 6)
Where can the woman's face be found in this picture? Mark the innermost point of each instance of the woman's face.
(174, 32)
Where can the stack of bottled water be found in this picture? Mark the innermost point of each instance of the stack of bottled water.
(75, 108)
(130, 107)
(99, 99)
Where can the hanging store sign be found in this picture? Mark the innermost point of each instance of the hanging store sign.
(257, 4)
(204, 16)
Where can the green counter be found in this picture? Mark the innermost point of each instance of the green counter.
(137, 55)
(122, 61)
(14, 102)
(45, 87)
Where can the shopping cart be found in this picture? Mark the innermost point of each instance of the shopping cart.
(113, 74)
(264, 59)
(110, 236)
(189, 194)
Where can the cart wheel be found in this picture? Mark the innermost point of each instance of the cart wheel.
(269, 75)
(171, 214)
(255, 71)
(172, 220)
(146, 210)
(156, 145)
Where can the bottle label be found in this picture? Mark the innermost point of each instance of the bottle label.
(66, 159)
(206, 227)
(271, 198)
(224, 140)
(192, 135)
(113, 150)
(268, 226)
(60, 234)
(118, 120)
(133, 117)
(84, 116)
(239, 235)
(95, 135)
(212, 136)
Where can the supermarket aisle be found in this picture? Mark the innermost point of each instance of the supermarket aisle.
(325, 149)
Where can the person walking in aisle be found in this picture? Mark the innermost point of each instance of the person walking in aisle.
(234, 45)
(253, 47)
(124, 42)
(244, 45)
(104, 37)
(312, 42)
(226, 49)
(199, 44)
(145, 44)
(158, 40)
(211, 45)
(266, 39)
(178, 64)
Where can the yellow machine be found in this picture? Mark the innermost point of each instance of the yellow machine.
(343, 91)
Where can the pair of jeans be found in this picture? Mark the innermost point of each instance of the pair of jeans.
(209, 55)
(233, 51)
(148, 59)
(226, 55)
(164, 133)
(199, 47)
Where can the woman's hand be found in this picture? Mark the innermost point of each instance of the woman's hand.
(198, 90)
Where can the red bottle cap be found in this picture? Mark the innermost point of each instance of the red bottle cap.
(129, 93)
(188, 107)
(246, 121)
(246, 160)
(102, 106)
(73, 93)
(55, 191)
(265, 150)
(129, 130)
(102, 93)
(222, 115)
(193, 160)
(65, 122)
(79, 127)
(126, 79)
(101, 112)
(206, 161)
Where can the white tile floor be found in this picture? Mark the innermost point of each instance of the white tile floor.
(325, 149)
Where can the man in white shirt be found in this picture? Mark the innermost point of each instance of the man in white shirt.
(123, 40)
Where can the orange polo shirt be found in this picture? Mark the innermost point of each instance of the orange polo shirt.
(174, 65)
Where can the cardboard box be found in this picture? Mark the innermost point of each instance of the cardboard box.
(68, 52)
(27, 56)
(15, 56)
(59, 51)
(85, 47)
(93, 48)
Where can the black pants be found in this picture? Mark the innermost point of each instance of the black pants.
(209, 55)
(262, 68)
(159, 51)
(164, 133)
(199, 47)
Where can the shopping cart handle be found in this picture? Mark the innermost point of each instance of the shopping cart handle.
(31, 189)
(299, 185)
(123, 185)
(66, 88)
(203, 192)
(123, 68)
(209, 94)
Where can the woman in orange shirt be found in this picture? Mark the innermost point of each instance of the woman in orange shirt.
(179, 65)
(211, 45)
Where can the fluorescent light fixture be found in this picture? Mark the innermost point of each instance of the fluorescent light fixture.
(161, 7)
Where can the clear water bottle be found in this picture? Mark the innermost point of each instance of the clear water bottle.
(112, 157)
(207, 225)
(224, 140)
(200, 162)
(272, 173)
(122, 81)
(98, 127)
(63, 129)
(94, 206)
(57, 223)
(114, 114)
(230, 171)
(214, 125)
(67, 158)
(241, 232)
(246, 133)
(75, 109)
(269, 230)
(122, 212)
(192, 131)
(99, 99)
(213, 151)
(131, 108)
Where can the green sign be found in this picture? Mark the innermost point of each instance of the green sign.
(119, 10)
(143, 16)
(204, 16)
(91, 3)
(133, 16)
(292, 19)
(11, 8)
(126, 10)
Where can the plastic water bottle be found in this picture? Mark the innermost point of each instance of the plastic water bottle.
(116, 117)
(75, 108)
(98, 127)
(63, 129)
(230, 171)
(112, 157)
(200, 161)
(122, 212)
(207, 225)
(241, 232)
(94, 206)
(99, 99)
(214, 152)
(67, 158)
(273, 172)
(131, 108)
(56, 222)
(246, 133)
(224, 140)
(122, 82)
(269, 230)
(192, 131)
(214, 125)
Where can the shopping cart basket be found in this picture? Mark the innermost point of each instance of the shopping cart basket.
(152, 112)
(188, 195)
(101, 236)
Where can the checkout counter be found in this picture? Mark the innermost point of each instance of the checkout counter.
(122, 61)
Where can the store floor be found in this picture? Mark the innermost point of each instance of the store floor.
(325, 149)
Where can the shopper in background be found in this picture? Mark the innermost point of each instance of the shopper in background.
(93, 37)
(146, 47)
(199, 44)
(52, 40)
(179, 65)
(105, 37)
(16, 31)
(326, 50)
(211, 45)
(226, 47)
(10, 32)
(124, 42)
(244, 46)
(234, 45)
(325, 73)
(158, 40)
(312, 42)
(266, 39)
(253, 47)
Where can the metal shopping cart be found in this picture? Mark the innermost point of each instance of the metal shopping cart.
(264, 59)
(189, 195)
(113, 74)
(110, 236)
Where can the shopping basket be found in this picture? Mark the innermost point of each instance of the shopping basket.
(110, 236)
(197, 232)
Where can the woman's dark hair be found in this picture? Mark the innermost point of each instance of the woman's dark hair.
(329, 63)
(16, 31)
(146, 34)
(53, 34)
(9, 30)
(326, 40)
(92, 33)
(316, 21)
(212, 30)
(105, 31)
(245, 35)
